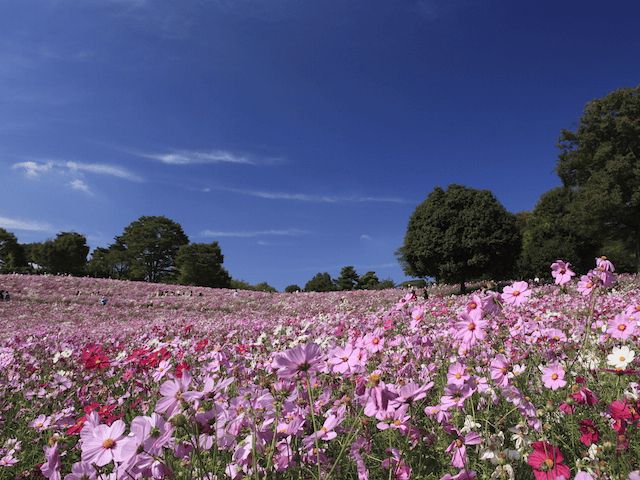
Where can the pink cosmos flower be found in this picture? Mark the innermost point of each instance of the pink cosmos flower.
(516, 294)
(561, 272)
(102, 444)
(462, 475)
(301, 359)
(501, 370)
(395, 418)
(586, 285)
(41, 423)
(409, 393)
(346, 360)
(174, 392)
(417, 316)
(326, 432)
(458, 450)
(51, 467)
(553, 377)
(470, 330)
(81, 471)
(374, 341)
(621, 327)
(457, 374)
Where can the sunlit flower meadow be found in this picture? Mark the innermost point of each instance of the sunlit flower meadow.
(164, 382)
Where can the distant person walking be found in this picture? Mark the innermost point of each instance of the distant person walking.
(4, 295)
(103, 301)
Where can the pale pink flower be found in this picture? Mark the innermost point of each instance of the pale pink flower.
(305, 359)
(41, 423)
(516, 294)
(374, 341)
(174, 392)
(621, 327)
(586, 285)
(458, 450)
(457, 374)
(470, 330)
(561, 272)
(103, 444)
(346, 360)
(553, 377)
(51, 467)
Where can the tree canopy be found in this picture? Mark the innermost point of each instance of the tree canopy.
(321, 282)
(12, 255)
(460, 234)
(348, 279)
(600, 163)
(151, 245)
(200, 264)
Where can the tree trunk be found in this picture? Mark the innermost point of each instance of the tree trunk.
(463, 288)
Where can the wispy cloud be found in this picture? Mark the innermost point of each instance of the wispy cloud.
(103, 169)
(33, 169)
(365, 237)
(201, 157)
(36, 169)
(306, 197)
(21, 224)
(289, 232)
(80, 185)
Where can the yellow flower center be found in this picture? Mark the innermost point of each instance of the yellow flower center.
(622, 327)
(472, 326)
(108, 443)
(622, 358)
(549, 463)
(554, 376)
(516, 293)
(375, 341)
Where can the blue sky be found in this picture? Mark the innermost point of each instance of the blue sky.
(299, 134)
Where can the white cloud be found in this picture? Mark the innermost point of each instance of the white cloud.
(364, 236)
(36, 169)
(315, 198)
(191, 157)
(103, 169)
(81, 186)
(289, 232)
(33, 169)
(27, 225)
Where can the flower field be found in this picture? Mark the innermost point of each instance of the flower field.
(172, 382)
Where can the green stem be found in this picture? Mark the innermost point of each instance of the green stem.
(313, 421)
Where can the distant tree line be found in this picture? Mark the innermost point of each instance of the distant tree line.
(461, 234)
(152, 249)
(348, 280)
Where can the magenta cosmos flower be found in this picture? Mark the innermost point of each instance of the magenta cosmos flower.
(561, 272)
(301, 359)
(516, 294)
(553, 377)
(103, 444)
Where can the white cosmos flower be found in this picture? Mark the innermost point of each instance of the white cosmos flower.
(620, 357)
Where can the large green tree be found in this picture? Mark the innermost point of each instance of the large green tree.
(12, 255)
(460, 234)
(600, 163)
(348, 279)
(321, 282)
(65, 254)
(368, 281)
(151, 245)
(552, 232)
(200, 264)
